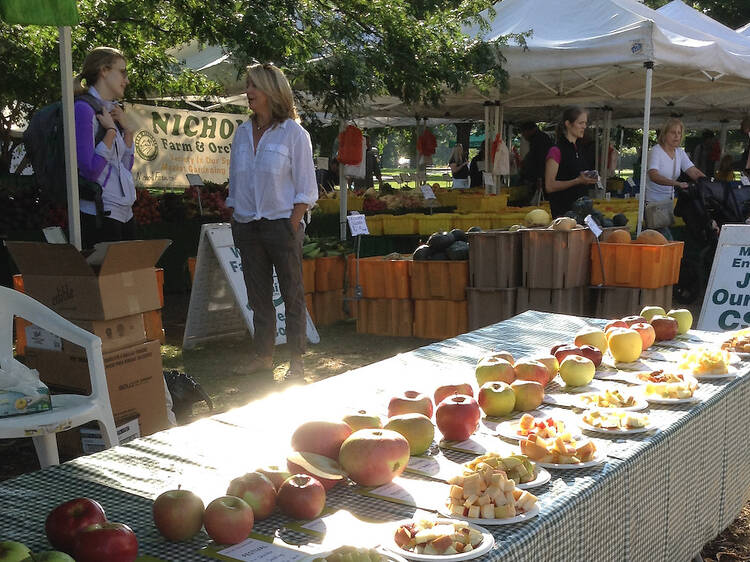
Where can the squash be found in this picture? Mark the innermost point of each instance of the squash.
(564, 224)
(617, 237)
(651, 237)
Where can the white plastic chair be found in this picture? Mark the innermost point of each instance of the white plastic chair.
(68, 410)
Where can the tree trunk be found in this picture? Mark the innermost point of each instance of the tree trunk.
(463, 130)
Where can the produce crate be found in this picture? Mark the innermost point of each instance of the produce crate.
(495, 259)
(465, 222)
(399, 224)
(191, 268)
(573, 301)
(354, 203)
(617, 302)
(379, 278)
(447, 198)
(440, 319)
(507, 219)
(445, 280)
(310, 306)
(329, 273)
(494, 203)
(308, 275)
(469, 202)
(427, 224)
(489, 306)
(153, 326)
(328, 206)
(554, 259)
(160, 284)
(328, 307)
(385, 317)
(636, 265)
(375, 225)
(18, 322)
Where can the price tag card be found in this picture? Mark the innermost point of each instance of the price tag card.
(263, 551)
(437, 466)
(426, 494)
(487, 179)
(357, 224)
(744, 180)
(477, 444)
(427, 191)
(591, 223)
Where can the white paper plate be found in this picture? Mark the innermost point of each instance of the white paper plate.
(488, 541)
(542, 477)
(656, 399)
(640, 404)
(606, 431)
(390, 556)
(732, 372)
(597, 460)
(508, 429)
(533, 512)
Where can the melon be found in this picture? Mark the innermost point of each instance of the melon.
(537, 217)
(617, 237)
(652, 237)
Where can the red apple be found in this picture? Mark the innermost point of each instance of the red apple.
(630, 320)
(373, 457)
(614, 324)
(110, 542)
(530, 370)
(321, 437)
(564, 350)
(228, 520)
(257, 490)
(592, 353)
(301, 496)
(665, 327)
(64, 522)
(442, 392)
(178, 514)
(457, 417)
(647, 332)
(327, 471)
(554, 348)
(410, 402)
(275, 474)
(507, 355)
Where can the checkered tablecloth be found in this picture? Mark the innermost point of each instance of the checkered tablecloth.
(660, 496)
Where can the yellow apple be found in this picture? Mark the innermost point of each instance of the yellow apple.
(577, 371)
(649, 312)
(684, 319)
(625, 344)
(418, 430)
(494, 368)
(529, 395)
(592, 336)
(549, 361)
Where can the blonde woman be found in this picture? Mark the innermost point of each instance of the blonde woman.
(104, 143)
(666, 161)
(271, 185)
(459, 166)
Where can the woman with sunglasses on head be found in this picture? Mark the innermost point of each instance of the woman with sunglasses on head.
(104, 143)
(271, 186)
(566, 162)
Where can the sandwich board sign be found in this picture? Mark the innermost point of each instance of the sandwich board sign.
(218, 300)
(726, 305)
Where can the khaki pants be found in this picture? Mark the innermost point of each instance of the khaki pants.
(263, 245)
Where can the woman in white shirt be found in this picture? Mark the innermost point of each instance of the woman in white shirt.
(666, 161)
(271, 185)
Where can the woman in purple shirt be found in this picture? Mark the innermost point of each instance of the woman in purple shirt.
(104, 141)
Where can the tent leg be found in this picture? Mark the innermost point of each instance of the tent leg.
(723, 136)
(649, 66)
(343, 193)
(71, 158)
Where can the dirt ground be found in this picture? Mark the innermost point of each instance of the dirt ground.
(341, 349)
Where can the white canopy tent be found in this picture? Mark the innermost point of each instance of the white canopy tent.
(744, 30)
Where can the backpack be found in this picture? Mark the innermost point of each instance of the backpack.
(45, 147)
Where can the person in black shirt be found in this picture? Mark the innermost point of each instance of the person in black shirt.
(328, 179)
(744, 163)
(475, 173)
(459, 166)
(532, 167)
(564, 178)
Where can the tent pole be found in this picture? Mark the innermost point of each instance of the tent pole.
(71, 157)
(597, 148)
(723, 136)
(487, 143)
(343, 191)
(605, 148)
(649, 66)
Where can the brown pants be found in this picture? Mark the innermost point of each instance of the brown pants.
(264, 244)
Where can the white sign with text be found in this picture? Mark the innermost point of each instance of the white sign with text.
(357, 224)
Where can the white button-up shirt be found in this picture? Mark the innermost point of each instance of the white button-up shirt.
(268, 183)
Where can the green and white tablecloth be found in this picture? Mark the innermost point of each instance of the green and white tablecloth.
(660, 496)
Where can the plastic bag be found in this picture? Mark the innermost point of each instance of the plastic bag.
(17, 377)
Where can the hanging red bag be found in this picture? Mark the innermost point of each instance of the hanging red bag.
(350, 146)
(426, 143)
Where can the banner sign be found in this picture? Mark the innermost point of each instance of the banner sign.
(170, 143)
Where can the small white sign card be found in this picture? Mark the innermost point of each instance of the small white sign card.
(488, 179)
(427, 191)
(357, 224)
(591, 223)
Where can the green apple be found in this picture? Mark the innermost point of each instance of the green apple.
(52, 556)
(496, 398)
(649, 312)
(684, 319)
(418, 430)
(494, 368)
(576, 370)
(12, 551)
(362, 419)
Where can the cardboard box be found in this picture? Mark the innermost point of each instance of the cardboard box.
(117, 280)
(115, 334)
(134, 377)
(87, 439)
(18, 403)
